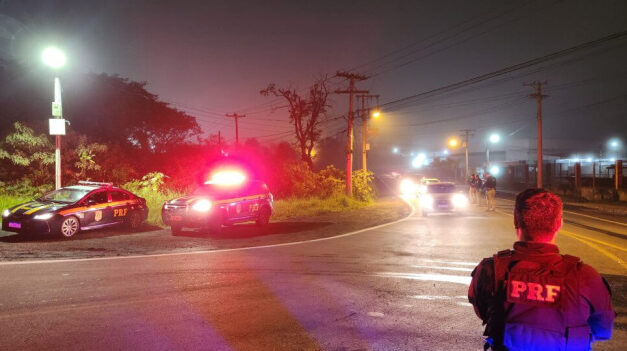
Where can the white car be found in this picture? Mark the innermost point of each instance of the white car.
(442, 197)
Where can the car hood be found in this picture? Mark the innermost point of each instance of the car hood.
(35, 208)
(184, 200)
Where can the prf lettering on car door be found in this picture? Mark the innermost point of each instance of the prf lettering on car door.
(120, 212)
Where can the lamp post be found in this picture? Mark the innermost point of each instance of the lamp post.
(55, 58)
(494, 138)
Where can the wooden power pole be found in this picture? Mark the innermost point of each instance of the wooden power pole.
(538, 96)
(365, 116)
(236, 117)
(466, 134)
(349, 147)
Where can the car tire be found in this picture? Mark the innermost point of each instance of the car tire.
(69, 227)
(176, 229)
(134, 221)
(263, 218)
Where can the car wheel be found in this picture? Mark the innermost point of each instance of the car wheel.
(134, 221)
(69, 227)
(176, 229)
(263, 218)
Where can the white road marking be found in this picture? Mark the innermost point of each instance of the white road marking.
(202, 252)
(464, 280)
(376, 314)
(461, 263)
(445, 268)
(436, 297)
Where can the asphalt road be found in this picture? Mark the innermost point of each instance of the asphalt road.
(396, 287)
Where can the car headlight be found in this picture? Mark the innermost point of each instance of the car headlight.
(426, 201)
(44, 216)
(6, 213)
(460, 200)
(422, 188)
(202, 205)
(407, 187)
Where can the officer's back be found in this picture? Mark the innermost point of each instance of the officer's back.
(533, 298)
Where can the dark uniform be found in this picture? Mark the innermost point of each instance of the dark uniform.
(533, 298)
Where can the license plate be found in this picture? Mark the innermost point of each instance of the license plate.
(443, 206)
(15, 225)
(176, 218)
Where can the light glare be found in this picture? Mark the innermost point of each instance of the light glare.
(53, 57)
(227, 178)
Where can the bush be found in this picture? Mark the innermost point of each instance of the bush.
(151, 188)
(363, 189)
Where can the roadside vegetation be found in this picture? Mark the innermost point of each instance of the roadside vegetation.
(313, 193)
(159, 152)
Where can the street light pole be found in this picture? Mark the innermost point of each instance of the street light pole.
(57, 151)
(55, 58)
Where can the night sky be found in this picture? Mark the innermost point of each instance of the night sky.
(209, 58)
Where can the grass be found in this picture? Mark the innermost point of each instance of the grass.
(7, 201)
(314, 206)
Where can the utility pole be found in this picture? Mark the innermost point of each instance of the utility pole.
(466, 134)
(349, 147)
(365, 116)
(220, 142)
(538, 96)
(236, 117)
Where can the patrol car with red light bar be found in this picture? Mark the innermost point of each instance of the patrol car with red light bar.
(226, 199)
(68, 210)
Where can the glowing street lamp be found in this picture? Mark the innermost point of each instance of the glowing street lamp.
(494, 138)
(453, 142)
(376, 114)
(55, 58)
(395, 150)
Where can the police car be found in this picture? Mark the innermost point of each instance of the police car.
(226, 199)
(68, 210)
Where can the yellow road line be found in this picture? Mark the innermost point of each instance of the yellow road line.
(594, 240)
(584, 215)
(602, 251)
(588, 241)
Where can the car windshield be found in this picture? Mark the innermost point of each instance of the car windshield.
(66, 195)
(441, 188)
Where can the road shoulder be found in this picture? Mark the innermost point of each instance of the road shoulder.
(116, 242)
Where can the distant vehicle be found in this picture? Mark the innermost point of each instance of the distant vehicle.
(442, 197)
(409, 184)
(69, 210)
(426, 181)
(229, 198)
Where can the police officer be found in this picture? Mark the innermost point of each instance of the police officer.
(472, 191)
(533, 298)
(490, 191)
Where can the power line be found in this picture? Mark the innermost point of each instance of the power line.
(509, 69)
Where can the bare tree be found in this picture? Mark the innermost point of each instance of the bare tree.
(306, 114)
